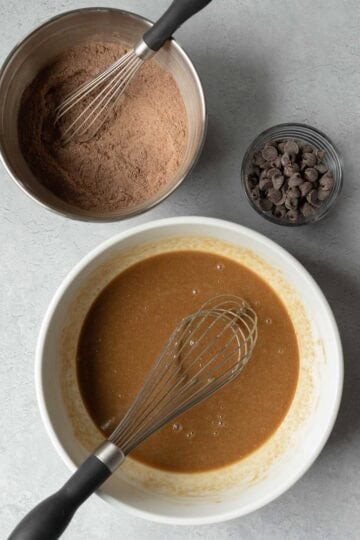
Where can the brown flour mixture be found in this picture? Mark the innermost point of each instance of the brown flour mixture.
(133, 155)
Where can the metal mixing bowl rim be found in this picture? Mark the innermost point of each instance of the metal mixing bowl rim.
(204, 122)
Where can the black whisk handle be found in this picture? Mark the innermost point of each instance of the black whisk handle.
(178, 12)
(49, 519)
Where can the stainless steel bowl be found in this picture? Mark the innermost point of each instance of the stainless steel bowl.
(51, 39)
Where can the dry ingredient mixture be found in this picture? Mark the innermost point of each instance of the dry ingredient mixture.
(136, 152)
(289, 179)
(128, 326)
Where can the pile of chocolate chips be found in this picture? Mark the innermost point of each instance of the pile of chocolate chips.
(289, 179)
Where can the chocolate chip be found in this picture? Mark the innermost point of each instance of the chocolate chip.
(294, 193)
(274, 195)
(311, 174)
(308, 160)
(276, 163)
(281, 146)
(327, 181)
(321, 167)
(322, 194)
(293, 215)
(291, 203)
(307, 210)
(290, 170)
(255, 194)
(291, 148)
(320, 154)
(295, 180)
(251, 182)
(269, 153)
(258, 159)
(265, 184)
(273, 172)
(285, 160)
(277, 181)
(282, 200)
(265, 204)
(279, 212)
(312, 198)
(305, 188)
(307, 148)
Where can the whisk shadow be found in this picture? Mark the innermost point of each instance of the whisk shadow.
(343, 294)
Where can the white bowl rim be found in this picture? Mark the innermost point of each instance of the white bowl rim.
(333, 407)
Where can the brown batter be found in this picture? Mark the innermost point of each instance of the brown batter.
(136, 152)
(126, 329)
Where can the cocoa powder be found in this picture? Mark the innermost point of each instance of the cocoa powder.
(135, 153)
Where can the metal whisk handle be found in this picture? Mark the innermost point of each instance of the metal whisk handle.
(49, 519)
(178, 13)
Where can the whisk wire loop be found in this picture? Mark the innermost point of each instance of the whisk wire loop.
(156, 375)
(206, 351)
(96, 99)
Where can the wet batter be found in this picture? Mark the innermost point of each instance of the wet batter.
(126, 329)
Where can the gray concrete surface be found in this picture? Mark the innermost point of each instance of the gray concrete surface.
(261, 62)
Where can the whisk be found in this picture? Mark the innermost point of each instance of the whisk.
(207, 350)
(85, 110)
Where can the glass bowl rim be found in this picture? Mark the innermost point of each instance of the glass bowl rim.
(338, 173)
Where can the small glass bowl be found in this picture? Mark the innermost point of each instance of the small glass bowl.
(303, 133)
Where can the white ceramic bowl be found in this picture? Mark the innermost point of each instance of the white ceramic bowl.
(253, 482)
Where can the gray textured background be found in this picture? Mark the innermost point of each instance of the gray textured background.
(261, 62)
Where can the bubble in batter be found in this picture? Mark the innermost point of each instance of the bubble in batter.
(108, 424)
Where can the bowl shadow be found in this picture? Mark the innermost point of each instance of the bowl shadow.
(343, 294)
(238, 104)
